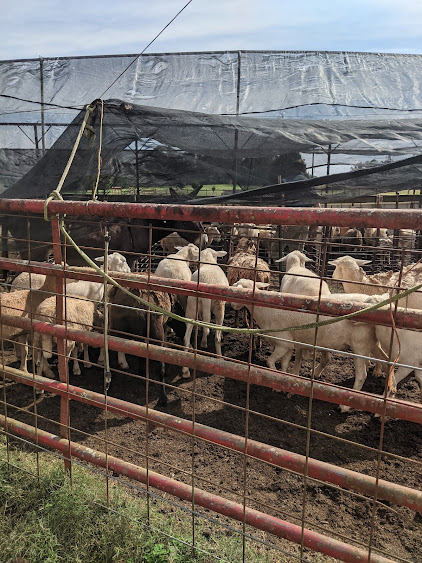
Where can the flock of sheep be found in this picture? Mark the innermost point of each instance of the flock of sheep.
(29, 297)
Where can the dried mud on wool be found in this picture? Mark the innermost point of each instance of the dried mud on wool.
(220, 471)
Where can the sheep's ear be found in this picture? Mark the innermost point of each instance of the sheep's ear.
(99, 259)
(262, 285)
(308, 259)
(179, 247)
(333, 262)
(360, 262)
(283, 259)
(220, 253)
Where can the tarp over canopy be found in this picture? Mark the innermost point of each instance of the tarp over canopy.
(178, 146)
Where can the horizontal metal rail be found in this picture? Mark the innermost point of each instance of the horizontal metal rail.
(404, 318)
(209, 501)
(265, 377)
(357, 482)
(362, 217)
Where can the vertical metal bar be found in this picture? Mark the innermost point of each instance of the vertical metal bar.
(137, 170)
(36, 141)
(42, 105)
(5, 242)
(107, 373)
(236, 133)
(313, 162)
(61, 344)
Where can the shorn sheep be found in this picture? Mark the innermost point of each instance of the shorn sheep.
(80, 315)
(176, 267)
(128, 316)
(409, 352)
(354, 279)
(23, 303)
(298, 279)
(343, 335)
(208, 272)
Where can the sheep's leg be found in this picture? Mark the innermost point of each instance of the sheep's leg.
(101, 357)
(360, 377)
(121, 359)
(22, 347)
(87, 361)
(236, 318)
(190, 313)
(298, 361)
(206, 317)
(325, 360)
(72, 352)
(379, 353)
(219, 309)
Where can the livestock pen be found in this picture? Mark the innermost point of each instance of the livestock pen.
(284, 469)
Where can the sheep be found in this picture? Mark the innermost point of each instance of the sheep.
(23, 303)
(410, 351)
(129, 316)
(79, 314)
(208, 272)
(170, 243)
(245, 264)
(360, 337)
(354, 279)
(76, 288)
(298, 279)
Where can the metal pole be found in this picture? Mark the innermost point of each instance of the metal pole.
(42, 105)
(236, 133)
(137, 170)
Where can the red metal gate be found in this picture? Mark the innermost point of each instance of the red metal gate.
(300, 528)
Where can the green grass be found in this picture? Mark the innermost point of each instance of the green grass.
(54, 519)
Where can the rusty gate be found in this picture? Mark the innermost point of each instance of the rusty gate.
(238, 502)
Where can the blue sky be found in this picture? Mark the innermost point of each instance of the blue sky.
(48, 28)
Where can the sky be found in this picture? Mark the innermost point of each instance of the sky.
(50, 28)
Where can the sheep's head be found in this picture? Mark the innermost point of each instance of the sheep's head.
(116, 262)
(246, 245)
(347, 268)
(189, 252)
(294, 259)
(247, 284)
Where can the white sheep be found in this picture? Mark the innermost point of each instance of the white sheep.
(342, 335)
(78, 314)
(208, 272)
(23, 303)
(75, 288)
(354, 279)
(176, 266)
(409, 352)
(298, 279)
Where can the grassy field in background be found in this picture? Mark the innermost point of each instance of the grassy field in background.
(58, 520)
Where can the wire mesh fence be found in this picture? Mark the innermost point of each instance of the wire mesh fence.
(322, 455)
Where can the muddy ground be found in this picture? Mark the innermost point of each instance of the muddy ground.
(397, 531)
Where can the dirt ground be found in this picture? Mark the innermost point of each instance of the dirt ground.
(274, 418)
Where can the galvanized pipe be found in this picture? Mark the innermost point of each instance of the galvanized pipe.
(241, 372)
(382, 218)
(271, 524)
(364, 484)
(405, 318)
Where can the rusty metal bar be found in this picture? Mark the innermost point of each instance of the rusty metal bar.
(382, 218)
(61, 344)
(265, 377)
(215, 503)
(406, 318)
(364, 484)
